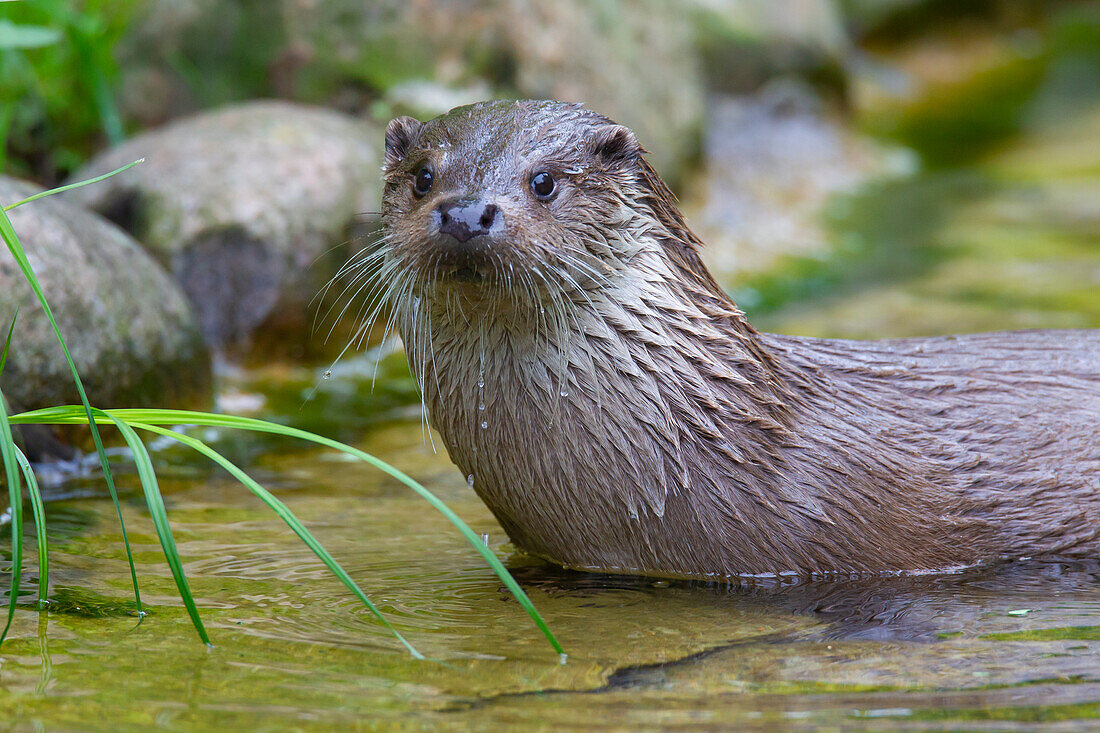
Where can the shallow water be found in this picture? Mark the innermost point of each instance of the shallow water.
(1007, 239)
(1021, 642)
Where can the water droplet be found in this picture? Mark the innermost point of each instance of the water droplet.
(480, 382)
(564, 392)
(485, 538)
(563, 658)
(541, 309)
(327, 374)
(484, 424)
(481, 406)
(470, 481)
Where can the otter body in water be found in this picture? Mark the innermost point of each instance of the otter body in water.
(617, 413)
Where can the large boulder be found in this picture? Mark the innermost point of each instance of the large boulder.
(239, 203)
(131, 331)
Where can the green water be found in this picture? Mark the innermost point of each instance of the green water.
(1006, 238)
(293, 650)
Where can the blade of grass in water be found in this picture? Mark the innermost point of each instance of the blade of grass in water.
(287, 516)
(38, 511)
(15, 497)
(160, 519)
(7, 233)
(32, 488)
(71, 415)
(7, 342)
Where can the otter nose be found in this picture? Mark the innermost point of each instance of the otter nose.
(465, 220)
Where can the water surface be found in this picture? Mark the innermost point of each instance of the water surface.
(1021, 642)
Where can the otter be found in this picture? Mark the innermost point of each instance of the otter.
(617, 413)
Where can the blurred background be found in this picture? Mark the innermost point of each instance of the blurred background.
(858, 168)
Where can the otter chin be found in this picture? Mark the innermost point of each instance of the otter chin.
(617, 413)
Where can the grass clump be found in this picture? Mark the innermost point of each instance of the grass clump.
(58, 58)
(17, 469)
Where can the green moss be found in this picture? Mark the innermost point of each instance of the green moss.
(89, 604)
(1032, 714)
(961, 123)
(1082, 633)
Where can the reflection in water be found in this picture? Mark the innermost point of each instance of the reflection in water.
(919, 649)
(906, 608)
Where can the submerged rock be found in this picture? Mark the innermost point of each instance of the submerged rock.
(239, 203)
(130, 330)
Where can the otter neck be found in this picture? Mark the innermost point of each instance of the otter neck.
(608, 438)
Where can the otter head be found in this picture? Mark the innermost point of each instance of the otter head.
(519, 201)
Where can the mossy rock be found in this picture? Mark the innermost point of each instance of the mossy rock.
(238, 203)
(131, 332)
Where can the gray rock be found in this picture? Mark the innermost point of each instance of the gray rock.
(632, 61)
(130, 330)
(238, 203)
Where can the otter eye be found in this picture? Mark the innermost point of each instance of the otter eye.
(423, 182)
(542, 184)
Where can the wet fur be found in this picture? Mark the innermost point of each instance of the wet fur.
(617, 412)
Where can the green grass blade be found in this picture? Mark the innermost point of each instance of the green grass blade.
(15, 497)
(7, 342)
(7, 233)
(78, 184)
(24, 36)
(71, 415)
(38, 510)
(287, 516)
(160, 520)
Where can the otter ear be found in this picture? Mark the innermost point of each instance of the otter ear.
(615, 144)
(401, 134)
